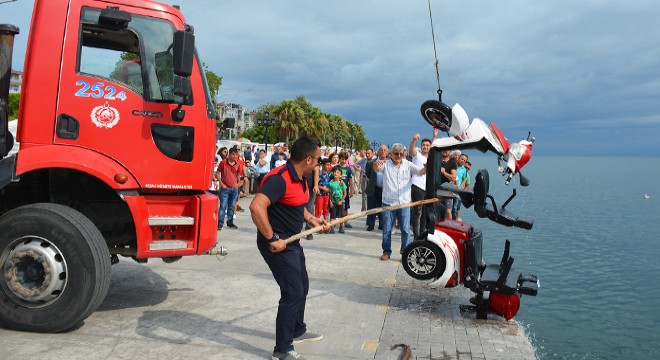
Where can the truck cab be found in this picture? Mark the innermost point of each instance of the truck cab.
(117, 133)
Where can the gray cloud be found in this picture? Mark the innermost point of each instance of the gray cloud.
(583, 76)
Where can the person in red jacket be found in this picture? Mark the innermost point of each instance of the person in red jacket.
(230, 173)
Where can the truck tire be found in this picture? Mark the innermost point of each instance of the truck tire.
(55, 268)
(423, 260)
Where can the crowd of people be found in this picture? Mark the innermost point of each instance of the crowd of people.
(389, 176)
(312, 185)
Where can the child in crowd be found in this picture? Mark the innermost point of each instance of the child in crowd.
(337, 198)
(347, 177)
(281, 160)
(321, 209)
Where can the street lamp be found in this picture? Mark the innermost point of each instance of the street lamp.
(351, 140)
(266, 121)
(373, 145)
(336, 139)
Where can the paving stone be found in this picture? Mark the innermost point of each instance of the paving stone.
(200, 307)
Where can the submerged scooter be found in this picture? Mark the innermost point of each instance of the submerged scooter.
(449, 252)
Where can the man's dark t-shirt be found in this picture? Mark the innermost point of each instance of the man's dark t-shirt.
(448, 166)
(288, 195)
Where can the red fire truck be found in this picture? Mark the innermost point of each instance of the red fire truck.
(117, 134)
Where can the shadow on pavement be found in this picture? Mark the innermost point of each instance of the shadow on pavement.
(158, 324)
(134, 286)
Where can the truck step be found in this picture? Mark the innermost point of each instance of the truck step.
(168, 245)
(171, 220)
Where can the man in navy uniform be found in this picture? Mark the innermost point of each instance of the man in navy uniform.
(279, 211)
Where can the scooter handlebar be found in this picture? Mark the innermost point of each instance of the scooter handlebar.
(488, 209)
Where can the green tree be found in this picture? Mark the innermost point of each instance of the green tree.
(289, 117)
(127, 71)
(360, 139)
(258, 133)
(299, 117)
(12, 106)
(214, 81)
(338, 131)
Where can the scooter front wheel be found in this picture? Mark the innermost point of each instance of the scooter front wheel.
(423, 260)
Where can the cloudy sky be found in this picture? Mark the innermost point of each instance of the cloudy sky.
(584, 76)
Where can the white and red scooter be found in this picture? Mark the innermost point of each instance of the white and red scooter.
(449, 252)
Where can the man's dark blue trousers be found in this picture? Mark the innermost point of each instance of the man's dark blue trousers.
(289, 270)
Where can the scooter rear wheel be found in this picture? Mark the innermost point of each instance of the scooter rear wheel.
(423, 260)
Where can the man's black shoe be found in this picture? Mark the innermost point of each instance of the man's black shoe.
(219, 227)
(232, 226)
(370, 228)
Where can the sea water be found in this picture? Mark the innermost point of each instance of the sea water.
(595, 246)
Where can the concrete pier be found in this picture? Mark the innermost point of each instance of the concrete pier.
(205, 307)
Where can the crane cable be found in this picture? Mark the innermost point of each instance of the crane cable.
(435, 51)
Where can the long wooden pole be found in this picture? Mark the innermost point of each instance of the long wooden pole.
(358, 215)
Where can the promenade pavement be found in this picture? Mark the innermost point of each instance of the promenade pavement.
(204, 307)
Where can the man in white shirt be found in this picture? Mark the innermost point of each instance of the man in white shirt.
(397, 181)
(418, 190)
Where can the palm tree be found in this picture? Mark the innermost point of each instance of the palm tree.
(289, 120)
(314, 123)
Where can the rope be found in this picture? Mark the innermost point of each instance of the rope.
(360, 214)
(435, 51)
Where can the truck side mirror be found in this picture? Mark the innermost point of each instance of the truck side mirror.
(183, 88)
(183, 51)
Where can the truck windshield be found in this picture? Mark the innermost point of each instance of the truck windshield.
(139, 56)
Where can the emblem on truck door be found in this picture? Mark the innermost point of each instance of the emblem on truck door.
(105, 116)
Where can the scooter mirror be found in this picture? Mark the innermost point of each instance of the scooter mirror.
(523, 180)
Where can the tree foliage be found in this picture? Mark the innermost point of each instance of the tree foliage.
(127, 70)
(298, 117)
(214, 81)
(12, 106)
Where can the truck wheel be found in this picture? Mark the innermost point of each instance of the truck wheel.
(55, 268)
(423, 260)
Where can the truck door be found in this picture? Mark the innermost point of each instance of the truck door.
(116, 97)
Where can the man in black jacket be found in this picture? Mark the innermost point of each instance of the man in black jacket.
(375, 189)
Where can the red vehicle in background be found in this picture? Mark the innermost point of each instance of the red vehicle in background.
(117, 133)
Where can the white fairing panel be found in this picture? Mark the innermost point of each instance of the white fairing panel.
(459, 120)
(452, 257)
(477, 131)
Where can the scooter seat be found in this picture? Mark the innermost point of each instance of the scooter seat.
(492, 279)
